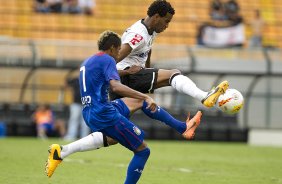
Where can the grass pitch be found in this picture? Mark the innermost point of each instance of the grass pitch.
(22, 160)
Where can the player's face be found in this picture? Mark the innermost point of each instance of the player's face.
(163, 22)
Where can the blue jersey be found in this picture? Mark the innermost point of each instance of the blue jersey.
(94, 81)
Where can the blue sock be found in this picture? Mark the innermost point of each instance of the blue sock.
(165, 117)
(136, 166)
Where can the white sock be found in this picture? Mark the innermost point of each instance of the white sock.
(185, 85)
(90, 142)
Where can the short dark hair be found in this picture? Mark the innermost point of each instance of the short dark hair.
(162, 7)
(108, 39)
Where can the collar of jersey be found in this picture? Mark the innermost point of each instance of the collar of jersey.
(142, 21)
(100, 53)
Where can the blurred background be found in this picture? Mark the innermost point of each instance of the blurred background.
(42, 43)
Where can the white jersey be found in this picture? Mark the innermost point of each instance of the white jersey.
(140, 41)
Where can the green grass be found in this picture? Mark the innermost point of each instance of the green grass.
(22, 160)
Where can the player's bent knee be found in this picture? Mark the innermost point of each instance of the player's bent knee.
(174, 74)
(168, 73)
(111, 141)
(175, 71)
(142, 147)
(144, 153)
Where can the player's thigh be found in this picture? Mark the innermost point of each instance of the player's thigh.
(121, 107)
(164, 76)
(127, 134)
(133, 104)
(127, 106)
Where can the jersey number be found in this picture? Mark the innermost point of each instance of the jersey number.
(83, 77)
(85, 99)
(137, 38)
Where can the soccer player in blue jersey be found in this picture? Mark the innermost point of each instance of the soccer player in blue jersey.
(97, 74)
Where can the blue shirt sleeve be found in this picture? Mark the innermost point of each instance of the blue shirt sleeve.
(111, 72)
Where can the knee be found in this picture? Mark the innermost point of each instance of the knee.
(147, 152)
(144, 153)
(175, 71)
(143, 149)
(110, 141)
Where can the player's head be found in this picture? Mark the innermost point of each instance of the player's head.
(161, 13)
(110, 43)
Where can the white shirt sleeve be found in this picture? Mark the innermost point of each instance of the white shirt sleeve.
(134, 40)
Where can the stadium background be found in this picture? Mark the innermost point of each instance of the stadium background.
(38, 51)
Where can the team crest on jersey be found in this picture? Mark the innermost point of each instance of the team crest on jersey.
(136, 130)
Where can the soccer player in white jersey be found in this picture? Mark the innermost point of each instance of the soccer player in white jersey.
(134, 59)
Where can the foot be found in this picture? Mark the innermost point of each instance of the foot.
(54, 159)
(192, 126)
(213, 95)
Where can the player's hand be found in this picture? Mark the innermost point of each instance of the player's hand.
(134, 69)
(151, 104)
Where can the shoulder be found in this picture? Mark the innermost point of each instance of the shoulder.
(109, 59)
(108, 62)
(99, 59)
(137, 28)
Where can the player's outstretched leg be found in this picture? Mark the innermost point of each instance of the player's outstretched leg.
(212, 96)
(185, 85)
(186, 129)
(191, 126)
(163, 116)
(54, 159)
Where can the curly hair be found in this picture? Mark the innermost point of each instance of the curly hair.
(161, 7)
(107, 39)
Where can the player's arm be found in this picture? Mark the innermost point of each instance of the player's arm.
(125, 91)
(123, 53)
(123, 72)
(132, 70)
(148, 62)
(132, 41)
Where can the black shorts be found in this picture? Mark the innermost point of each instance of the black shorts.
(144, 81)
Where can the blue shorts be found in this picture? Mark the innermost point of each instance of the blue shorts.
(126, 133)
(121, 107)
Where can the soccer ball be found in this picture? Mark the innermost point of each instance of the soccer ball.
(231, 101)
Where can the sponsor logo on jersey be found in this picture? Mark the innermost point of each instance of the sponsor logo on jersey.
(144, 54)
(86, 100)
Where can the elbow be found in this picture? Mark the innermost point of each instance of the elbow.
(116, 86)
(117, 90)
(114, 89)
